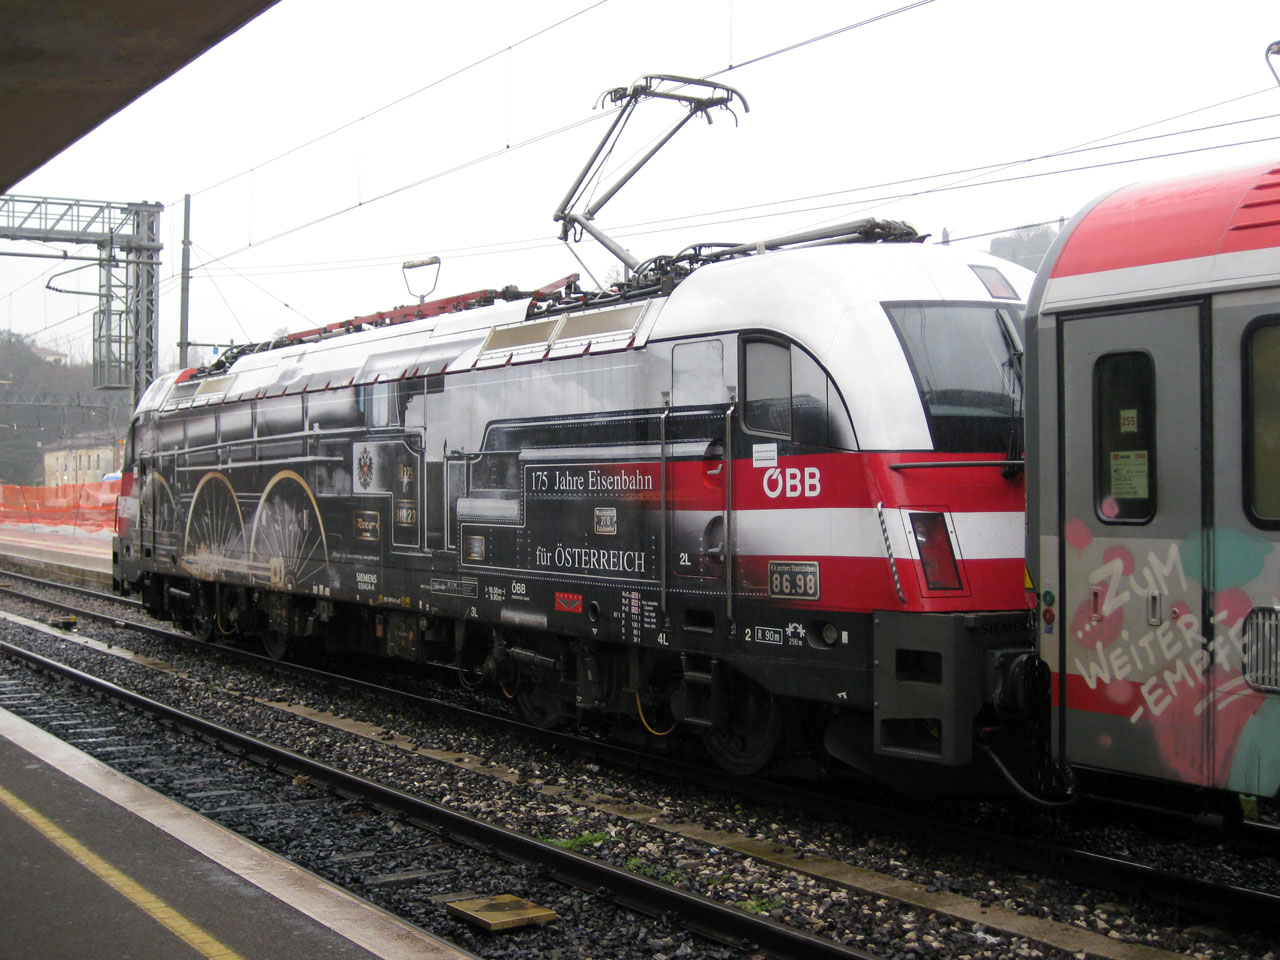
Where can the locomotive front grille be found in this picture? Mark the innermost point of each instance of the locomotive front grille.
(1262, 649)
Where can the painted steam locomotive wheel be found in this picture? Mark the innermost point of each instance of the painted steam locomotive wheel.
(288, 538)
(215, 528)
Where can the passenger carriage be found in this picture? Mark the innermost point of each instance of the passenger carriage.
(1153, 348)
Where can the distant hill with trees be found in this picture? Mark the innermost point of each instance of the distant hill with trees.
(42, 402)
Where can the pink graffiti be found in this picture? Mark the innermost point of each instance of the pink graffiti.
(1077, 533)
(1124, 555)
(1120, 692)
(1178, 743)
(1233, 606)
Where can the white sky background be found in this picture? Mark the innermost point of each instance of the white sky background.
(950, 85)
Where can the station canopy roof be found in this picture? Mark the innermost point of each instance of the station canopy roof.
(68, 65)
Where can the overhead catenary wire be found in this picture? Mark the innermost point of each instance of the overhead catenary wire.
(399, 100)
(664, 226)
(552, 133)
(632, 228)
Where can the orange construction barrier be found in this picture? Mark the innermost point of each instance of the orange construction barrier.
(88, 506)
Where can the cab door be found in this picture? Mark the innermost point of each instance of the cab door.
(698, 477)
(1134, 548)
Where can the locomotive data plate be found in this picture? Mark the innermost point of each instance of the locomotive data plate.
(794, 580)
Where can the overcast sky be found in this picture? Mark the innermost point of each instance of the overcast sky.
(468, 164)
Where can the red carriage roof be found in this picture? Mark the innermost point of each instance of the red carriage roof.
(1147, 223)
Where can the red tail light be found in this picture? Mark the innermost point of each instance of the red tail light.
(936, 555)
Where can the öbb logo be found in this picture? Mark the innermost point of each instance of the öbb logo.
(792, 482)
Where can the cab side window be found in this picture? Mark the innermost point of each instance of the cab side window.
(787, 394)
(766, 395)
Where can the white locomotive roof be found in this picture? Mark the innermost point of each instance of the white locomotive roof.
(830, 300)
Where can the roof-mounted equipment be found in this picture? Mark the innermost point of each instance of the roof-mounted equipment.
(699, 97)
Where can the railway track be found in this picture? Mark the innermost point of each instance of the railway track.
(449, 837)
(1185, 893)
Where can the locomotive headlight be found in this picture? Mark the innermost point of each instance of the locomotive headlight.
(830, 634)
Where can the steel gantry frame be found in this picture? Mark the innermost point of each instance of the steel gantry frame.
(127, 236)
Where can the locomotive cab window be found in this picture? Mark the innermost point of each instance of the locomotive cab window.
(1124, 438)
(766, 392)
(786, 393)
(967, 363)
(1262, 422)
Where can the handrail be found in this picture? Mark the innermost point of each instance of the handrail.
(893, 567)
(662, 522)
(924, 465)
(728, 514)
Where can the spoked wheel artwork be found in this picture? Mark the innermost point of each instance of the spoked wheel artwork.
(288, 544)
(214, 539)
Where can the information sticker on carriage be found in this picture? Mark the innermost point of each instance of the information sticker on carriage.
(793, 579)
(764, 454)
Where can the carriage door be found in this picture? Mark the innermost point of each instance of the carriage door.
(698, 481)
(1132, 543)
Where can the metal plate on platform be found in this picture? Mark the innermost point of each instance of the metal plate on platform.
(501, 912)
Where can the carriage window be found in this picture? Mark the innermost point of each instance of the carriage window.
(766, 392)
(1124, 438)
(1262, 423)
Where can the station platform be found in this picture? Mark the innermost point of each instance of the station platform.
(72, 554)
(96, 865)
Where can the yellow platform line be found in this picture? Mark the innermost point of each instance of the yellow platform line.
(188, 932)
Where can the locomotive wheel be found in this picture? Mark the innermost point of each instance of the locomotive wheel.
(744, 743)
(288, 538)
(275, 644)
(204, 612)
(215, 527)
(538, 705)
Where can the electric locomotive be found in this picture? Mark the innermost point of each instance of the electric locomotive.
(768, 494)
(779, 505)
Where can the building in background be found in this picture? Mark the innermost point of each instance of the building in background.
(81, 460)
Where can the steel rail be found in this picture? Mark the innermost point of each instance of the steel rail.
(72, 588)
(1258, 908)
(716, 921)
